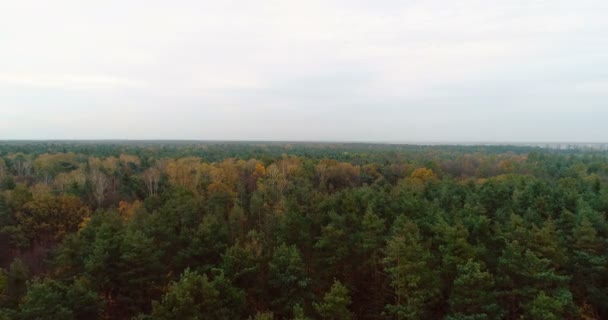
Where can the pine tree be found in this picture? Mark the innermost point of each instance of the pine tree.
(242, 263)
(373, 232)
(554, 307)
(522, 275)
(196, 297)
(287, 279)
(473, 294)
(409, 266)
(335, 303)
(139, 270)
(589, 265)
(17, 277)
(298, 313)
(50, 299)
(45, 301)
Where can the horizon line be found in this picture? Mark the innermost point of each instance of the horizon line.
(398, 142)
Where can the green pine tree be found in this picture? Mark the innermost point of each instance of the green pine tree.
(288, 280)
(195, 297)
(409, 265)
(473, 294)
(335, 303)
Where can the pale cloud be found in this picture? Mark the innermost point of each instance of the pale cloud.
(321, 70)
(592, 87)
(66, 81)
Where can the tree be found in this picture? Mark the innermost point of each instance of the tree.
(455, 249)
(184, 172)
(3, 285)
(547, 243)
(373, 233)
(44, 301)
(589, 266)
(3, 169)
(84, 302)
(152, 177)
(100, 183)
(50, 219)
(73, 181)
(424, 174)
(196, 297)
(102, 261)
(334, 247)
(545, 307)
(287, 279)
(7, 183)
(48, 165)
(129, 162)
(139, 271)
(410, 268)
(263, 316)
(334, 175)
(22, 164)
(17, 277)
(243, 263)
(473, 294)
(522, 276)
(237, 222)
(335, 303)
(49, 299)
(298, 313)
(122, 262)
(202, 248)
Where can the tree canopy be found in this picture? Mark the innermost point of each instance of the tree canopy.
(188, 230)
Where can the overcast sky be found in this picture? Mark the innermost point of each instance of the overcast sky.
(394, 70)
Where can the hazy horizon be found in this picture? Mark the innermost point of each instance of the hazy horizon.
(429, 72)
(379, 142)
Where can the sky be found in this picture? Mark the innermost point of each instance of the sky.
(314, 70)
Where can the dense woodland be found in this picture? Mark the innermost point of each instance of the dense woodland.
(184, 230)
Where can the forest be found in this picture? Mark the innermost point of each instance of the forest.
(267, 230)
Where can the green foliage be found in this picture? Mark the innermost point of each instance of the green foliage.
(288, 280)
(51, 218)
(17, 277)
(409, 265)
(49, 299)
(544, 307)
(194, 297)
(7, 183)
(263, 316)
(3, 284)
(139, 270)
(8, 314)
(373, 231)
(473, 295)
(523, 275)
(589, 264)
(335, 303)
(298, 313)
(243, 263)
(281, 230)
(455, 249)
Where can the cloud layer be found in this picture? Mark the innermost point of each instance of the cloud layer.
(353, 70)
